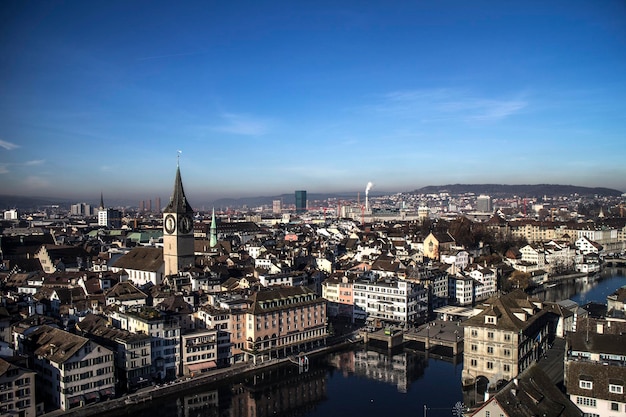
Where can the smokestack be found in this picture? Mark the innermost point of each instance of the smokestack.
(367, 191)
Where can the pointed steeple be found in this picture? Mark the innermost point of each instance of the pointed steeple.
(213, 230)
(101, 201)
(178, 202)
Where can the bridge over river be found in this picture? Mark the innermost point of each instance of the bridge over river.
(435, 333)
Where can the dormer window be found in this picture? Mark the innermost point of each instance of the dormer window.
(490, 319)
(585, 382)
(616, 389)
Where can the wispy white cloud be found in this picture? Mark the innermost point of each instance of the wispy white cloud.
(4, 168)
(34, 162)
(447, 104)
(7, 145)
(241, 124)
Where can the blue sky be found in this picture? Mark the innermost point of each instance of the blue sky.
(266, 97)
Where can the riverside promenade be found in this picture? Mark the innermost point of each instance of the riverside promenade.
(145, 395)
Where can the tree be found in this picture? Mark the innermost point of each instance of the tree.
(519, 279)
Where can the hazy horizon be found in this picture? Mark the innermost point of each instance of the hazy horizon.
(267, 98)
(198, 202)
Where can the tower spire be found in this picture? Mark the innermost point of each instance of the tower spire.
(178, 202)
(101, 201)
(213, 230)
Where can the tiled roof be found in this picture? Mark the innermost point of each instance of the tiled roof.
(4, 366)
(98, 326)
(141, 259)
(534, 394)
(124, 291)
(54, 344)
(506, 306)
(583, 341)
(280, 293)
(175, 304)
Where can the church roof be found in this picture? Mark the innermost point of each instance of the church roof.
(141, 258)
(178, 202)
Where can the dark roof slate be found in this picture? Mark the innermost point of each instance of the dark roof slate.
(141, 259)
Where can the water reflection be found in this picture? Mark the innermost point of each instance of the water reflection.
(199, 404)
(583, 291)
(397, 368)
(281, 391)
(284, 391)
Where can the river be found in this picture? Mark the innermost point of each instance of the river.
(358, 381)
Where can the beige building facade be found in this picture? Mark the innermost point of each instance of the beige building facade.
(505, 338)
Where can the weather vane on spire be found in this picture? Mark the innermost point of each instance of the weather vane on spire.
(178, 158)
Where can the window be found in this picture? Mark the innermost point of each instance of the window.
(489, 349)
(474, 348)
(589, 402)
(507, 337)
(487, 414)
(489, 365)
(473, 363)
(585, 384)
(507, 368)
(616, 389)
(614, 407)
(474, 333)
(490, 335)
(507, 352)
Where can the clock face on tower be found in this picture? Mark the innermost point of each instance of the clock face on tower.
(170, 224)
(185, 224)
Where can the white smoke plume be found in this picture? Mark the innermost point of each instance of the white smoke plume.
(368, 188)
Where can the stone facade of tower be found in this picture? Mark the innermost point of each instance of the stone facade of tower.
(178, 250)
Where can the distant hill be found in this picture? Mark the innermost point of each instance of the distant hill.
(524, 190)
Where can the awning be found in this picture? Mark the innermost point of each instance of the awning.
(202, 366)
(92, 396)
(108, 392)
(75, 400)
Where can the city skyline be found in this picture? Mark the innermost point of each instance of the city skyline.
(269, 98)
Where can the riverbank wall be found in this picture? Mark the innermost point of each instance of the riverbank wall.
(148, 394)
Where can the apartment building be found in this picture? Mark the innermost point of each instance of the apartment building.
(486, 282)
(283, 320)
(461, 288)
(164, 331)
(17, 390)
(209, 317)
(199, 351)
(534, 231)
(71, 370)
(595, 373)
(506, 337)
(132, 350)
(338, 291)
(391, 300)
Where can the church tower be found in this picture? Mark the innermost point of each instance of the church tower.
(178, 249)
(213, 231)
